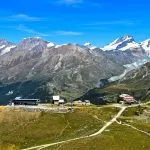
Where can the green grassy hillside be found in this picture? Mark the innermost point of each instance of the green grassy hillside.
(21, 129)
(114, 138)
(117, 136)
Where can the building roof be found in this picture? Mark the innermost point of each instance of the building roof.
(61, 101)
(124, 95)
(56, 97)
(127, 97)
(87, 101)
(26, 99)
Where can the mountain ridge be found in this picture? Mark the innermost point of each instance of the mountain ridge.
(123, 44)
(69, 70)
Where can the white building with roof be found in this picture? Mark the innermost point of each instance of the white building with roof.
(57, 100)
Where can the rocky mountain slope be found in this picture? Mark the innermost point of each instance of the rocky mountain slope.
(68, 70)
(135, 82)
(35, 68)
(5, 46)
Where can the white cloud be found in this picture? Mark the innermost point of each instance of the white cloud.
(33, 32)
(22, 17)
(30, 31)
(68, 33)
(25, 17)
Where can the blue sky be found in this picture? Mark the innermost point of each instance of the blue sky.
(75, 21)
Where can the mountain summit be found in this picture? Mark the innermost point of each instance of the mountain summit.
(123, 43)
(90, 46)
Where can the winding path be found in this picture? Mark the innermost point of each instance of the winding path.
(92, 135)
(136, 129)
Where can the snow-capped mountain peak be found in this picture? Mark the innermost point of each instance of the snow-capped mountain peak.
(122, 39)
(49, 45)
(7, 49)
(5, 46)
(89, 45)
(146, 45)
(123, 43)
(2, 46)
(58, 46)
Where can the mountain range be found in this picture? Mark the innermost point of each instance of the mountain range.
(35, 68)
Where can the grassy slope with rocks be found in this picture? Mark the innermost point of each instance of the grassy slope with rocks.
(21, 129)
(117, 136)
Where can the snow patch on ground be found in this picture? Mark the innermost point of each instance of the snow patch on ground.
(146, 46)
(132, 45)
(129, 67)
(58, 46)
(2, 46)
(7, 49)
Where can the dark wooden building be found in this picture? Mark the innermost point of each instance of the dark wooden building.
(25, 102)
